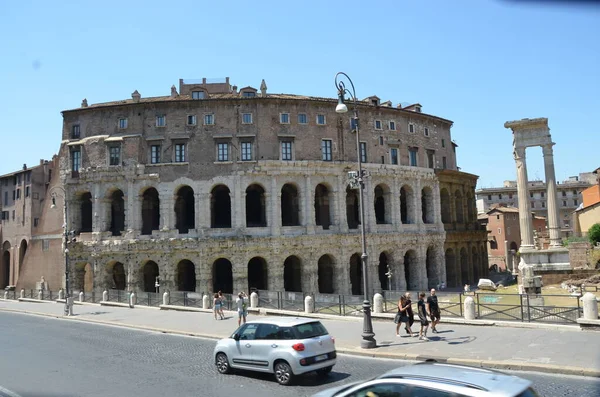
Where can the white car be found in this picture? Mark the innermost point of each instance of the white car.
(284, 346)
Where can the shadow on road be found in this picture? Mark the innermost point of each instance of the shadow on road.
(307, 380)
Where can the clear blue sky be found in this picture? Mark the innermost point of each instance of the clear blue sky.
(476, 62)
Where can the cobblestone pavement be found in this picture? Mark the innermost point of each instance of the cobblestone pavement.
(45, 357)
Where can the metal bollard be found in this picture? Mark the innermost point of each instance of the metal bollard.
(253, 300)
(378, 303)
(132, 300)
(5, 294)
(40, 294)
(105, 296)
(309, 304)
(61, 293)
(81, 296)
(205, 302)
(469, 308)
(22, 294)
(166, 298)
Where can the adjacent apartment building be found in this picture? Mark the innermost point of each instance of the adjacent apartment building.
(588, 213)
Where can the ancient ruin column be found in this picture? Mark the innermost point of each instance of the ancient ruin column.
(555, 240)
(342, 217)
(525, 219)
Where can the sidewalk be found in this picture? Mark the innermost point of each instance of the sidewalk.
(566, 350)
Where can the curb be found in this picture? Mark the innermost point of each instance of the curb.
(503, 365)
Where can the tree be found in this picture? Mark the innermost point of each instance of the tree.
(594, 233)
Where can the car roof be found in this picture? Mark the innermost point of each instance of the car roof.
(284, 321)
(471, 377)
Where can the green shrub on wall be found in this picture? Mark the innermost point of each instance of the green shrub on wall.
(594, 233)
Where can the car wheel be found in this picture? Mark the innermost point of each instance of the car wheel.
(324, 371)
(222, 363)
(283, 373)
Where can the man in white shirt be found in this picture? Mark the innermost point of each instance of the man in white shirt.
(242, 308)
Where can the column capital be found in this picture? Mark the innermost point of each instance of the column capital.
(547, 149)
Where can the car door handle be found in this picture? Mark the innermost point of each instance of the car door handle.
(248, 345)
(273, 345)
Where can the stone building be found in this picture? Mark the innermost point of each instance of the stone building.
(215, 188)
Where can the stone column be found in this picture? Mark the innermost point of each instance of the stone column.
(238, 205)
(395, 206)
(418, 207)
(96, 210)
(274, 202)
(342, 205)
(553, 227)
(368, 202)
(309, 218)
(130, 213)
(525, 220)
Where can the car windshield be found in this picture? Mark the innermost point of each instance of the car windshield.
(309, 330)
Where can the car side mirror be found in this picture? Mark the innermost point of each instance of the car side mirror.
(236, 336)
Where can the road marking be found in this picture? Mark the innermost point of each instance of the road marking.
(8, 393)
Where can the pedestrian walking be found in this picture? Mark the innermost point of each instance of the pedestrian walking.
(402, 315)
(217, 306)
(422, 312)
(433, 308)
(222, 300)
(242, 308)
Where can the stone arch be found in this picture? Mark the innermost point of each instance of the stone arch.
(22, 251)
(85, 212)
(258, 273)
(149, 274)
(185, 209)
(382, 204)
(411, 270)
(186, 276)
(222, 276)
(150, 210)
(458, 204)
(464, 266)
(475, 264)
(292, 274)
(117, 212)
(356, 276)
(451, 275)
(117, 277)
(433, 276)
(322, 206)
(325, 274)
(256, 213)
(290, 205)
(445, 206)
(427, 210)
(352, 208)
(383, 268)
(407, 205)
(470, 207)
(220, 208)
(514, 246)
(5, 265)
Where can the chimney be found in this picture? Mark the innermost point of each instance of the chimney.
(263, 88)
(234, 89)
(174, 93)
(136, 96)
(84, 103)
(24, 167)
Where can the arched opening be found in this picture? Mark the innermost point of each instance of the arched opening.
(470, 208)
(431, 268)
(290, 207)
(325, 275)
(451, 268)
(383, 268)
(186, 276)
(150, 272)
(464, 267)
(322, 211)
(117, 213)
(356, 275)
(407, 203)
(513, 246)
(427, 205)
(150, 211)
(352, 208)
(88, 278)
(494, 268)
(445, 204)
(475, 264)
(220, 208)
(85, 209)
(222, 276)
(411, 270)
(255, 206)
(458, 203)
(5, 266)
(257, 274)
(119, 279)
(22, 251)
(185, 212)
(292, 274)
(382, 205)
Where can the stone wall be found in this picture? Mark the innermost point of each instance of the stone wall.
(579, 254)
(552, 277)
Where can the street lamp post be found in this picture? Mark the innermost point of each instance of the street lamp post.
(368, 336)
(68, 300)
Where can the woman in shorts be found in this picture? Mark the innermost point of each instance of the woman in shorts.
(217, 306)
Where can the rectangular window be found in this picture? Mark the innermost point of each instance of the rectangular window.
(444, 164)
(426, 131)
(180, 153)
(533, 204)
(18, 179)
(161, 121)
(543, 204)
(392, 126)
(36, 222)
(248, 94)
(321, 119)
(154, 154)
(412, 156)
(191, 119)
(564, 203)
(5, 216)
(542, 194)
(394, 156)
(5, 198)
(122, 123)
(381, 140)
(223, 151)
(302, 119)
(284, 118)
(500, 196)
(411, 128)
(13, 215)
(27, 191)
(28, 177)
(197, 94)
(353, 124)
(14, 195)
(574, 192)
(246, 151)
(531, 194)
(510, 196)
(114, 155)
(209, 119)
(443, 143)
(489, 197)
(575, 202)
(363, 152)
(326, 149)
(564, 194)
(75, 132)
(45, 245)
(286, 150)
(75, 160)
(382, 159)
(377, 124)
(430, 159)
(18, 194)
(246, 118)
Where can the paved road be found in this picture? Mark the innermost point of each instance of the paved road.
(46, 357)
